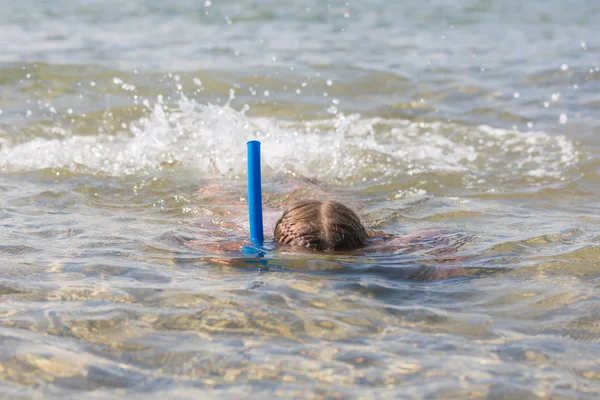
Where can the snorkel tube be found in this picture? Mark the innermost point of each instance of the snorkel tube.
(255, 194)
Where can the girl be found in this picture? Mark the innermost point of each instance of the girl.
(310, 225)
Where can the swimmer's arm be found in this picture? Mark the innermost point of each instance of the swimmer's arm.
(381, 241)
(218, 194)
(218, 247)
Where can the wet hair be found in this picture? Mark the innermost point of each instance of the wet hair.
(324, 226)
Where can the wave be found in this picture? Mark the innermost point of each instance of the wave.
(210, 139)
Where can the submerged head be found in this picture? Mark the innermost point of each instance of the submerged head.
(317, 225)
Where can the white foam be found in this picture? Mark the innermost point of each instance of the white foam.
(211, 139)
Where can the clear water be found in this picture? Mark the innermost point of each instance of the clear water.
(474, 117)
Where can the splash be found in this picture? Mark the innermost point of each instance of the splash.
(210, 139)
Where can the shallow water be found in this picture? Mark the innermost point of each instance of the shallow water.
(474, 118)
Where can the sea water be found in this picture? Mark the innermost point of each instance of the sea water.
(476, 118)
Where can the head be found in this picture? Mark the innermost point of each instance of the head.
(317, 225)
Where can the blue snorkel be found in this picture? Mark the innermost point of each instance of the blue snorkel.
(255, 195)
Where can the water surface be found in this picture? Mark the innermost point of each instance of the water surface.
(473, 118)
